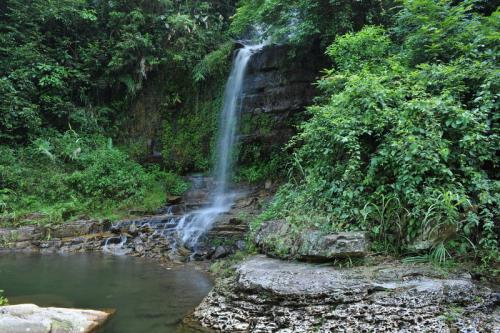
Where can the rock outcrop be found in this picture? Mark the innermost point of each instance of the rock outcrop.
(143, 237)
(277, 238)
(77, 236)
(152, 236)
(279, 80)
(24, 318)
(277, 89)
(269, 295)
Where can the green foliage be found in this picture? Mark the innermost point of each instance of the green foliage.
(3, 300)
(77, 65)
(174, 184)
(82, 62)
(214, 64)
(354, 50)
(189, 133)
(68, 175)
(300, 21)
(108, 173)
(403, 142)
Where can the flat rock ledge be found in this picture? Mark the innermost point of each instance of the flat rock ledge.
(31, 318)
(270, 295)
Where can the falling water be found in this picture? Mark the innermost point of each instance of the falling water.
(195, 224)
(116, 248)
(228, 121)
(191, 226)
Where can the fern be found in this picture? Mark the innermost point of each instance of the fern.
(216, 62)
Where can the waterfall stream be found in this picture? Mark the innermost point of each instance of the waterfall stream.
(186, 229)
(195, 224)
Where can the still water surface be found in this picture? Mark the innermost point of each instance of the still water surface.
(147, 297)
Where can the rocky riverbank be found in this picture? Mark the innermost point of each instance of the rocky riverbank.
(152, 236)
(270, 295)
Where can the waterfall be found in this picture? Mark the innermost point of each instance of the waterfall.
(195, 224)
(189, 227)
(228, 121)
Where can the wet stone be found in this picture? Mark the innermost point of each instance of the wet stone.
(265, 294)
(31, 318)
(220, 252)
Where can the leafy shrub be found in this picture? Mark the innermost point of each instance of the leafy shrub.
(172, 183)
(108, 174)
(69, 174)
(355, 50)
(3, 300)
(404, 143)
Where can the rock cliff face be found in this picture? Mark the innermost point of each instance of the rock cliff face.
(142, 126)
(269, 295)
(279, 82)
(277, 89)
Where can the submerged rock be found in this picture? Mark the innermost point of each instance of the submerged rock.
(269, 295)
(24, 318)
(278, 239)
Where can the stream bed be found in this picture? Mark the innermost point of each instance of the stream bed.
(146, 297)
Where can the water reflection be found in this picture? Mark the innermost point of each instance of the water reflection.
(147, 297)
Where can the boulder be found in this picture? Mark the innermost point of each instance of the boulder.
(278, 238)
(241, 245)
(316, 245)
(31, 318)
(220, 252)
(133, 230)
(270, 295)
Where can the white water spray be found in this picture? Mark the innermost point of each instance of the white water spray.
(118, 248)
(195, 224)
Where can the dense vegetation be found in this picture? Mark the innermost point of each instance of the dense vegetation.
(69, 71)
(401, 141)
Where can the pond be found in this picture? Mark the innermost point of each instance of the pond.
(146, 297)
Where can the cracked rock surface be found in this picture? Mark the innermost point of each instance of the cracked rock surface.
(270, 295)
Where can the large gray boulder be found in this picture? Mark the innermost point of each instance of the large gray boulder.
(270, 295)
(31, 318)
(278, 238)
